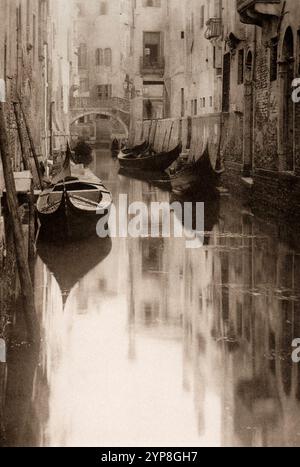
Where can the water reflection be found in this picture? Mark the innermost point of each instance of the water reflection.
(162, 345)
(77, 258)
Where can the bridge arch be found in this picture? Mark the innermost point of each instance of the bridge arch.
(85, 113)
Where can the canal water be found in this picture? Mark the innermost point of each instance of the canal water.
(148, 343)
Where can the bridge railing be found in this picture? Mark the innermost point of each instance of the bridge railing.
(114, 103)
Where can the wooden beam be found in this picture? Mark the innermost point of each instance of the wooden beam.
(25, 158)
(32, 146)
(12, 202)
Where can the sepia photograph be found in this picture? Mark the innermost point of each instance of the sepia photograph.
(149, 226)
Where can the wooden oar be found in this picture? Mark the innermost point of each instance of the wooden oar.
(50, 206)
(85, 200)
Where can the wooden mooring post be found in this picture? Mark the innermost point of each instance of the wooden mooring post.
(25, 158)
(30, 196)
(12, 202)
(32, 146)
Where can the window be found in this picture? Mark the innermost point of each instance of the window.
(152, 47)
(204, 102)
(195, 107)
(241, 67)
(182, 34)
(152, 3)
(210, 101)
(99, 57)
(273, 59)
(107, 57)
(82, 56)
(84, 85)
(104, 91)
(103, 8)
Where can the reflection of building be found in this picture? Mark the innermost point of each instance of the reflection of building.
(241, 315)
(156, 278)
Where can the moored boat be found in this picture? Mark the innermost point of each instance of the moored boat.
(150, 160)
(71, 208)
(197, 177)
(136, 150)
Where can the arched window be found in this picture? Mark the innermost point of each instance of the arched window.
(107, 57)
(99, 57)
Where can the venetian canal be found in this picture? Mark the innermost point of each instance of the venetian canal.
(145, 342)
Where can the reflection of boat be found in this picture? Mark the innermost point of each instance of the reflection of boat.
(197, 177)
(72, 207)
(211, 214)
(114, 148)
(159, 179)
(70, 262)
(150, 160)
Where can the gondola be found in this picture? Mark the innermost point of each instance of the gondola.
(136, 150)
(197, 177)
(71, 208)
(150, 161)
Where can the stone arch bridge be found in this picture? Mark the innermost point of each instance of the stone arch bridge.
(115, 107)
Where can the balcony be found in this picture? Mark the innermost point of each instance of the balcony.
(214, 28)
(152, 66)
(257, 11)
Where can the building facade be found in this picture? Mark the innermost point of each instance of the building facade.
(231, 67)
(100, 102)
(37, 67)
(261, 58)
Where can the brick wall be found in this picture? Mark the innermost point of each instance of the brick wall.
(232, 138)
(266, 112)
